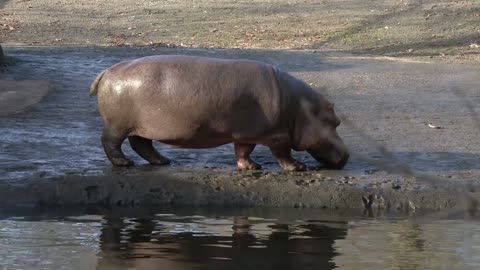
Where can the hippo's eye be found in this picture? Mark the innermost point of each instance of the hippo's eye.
(337, 122)
(334, 121)
(329, 108)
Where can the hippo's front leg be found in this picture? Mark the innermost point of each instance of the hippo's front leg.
(280, 148)
(286, 161)
(242, 154)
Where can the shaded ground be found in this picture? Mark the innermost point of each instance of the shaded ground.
(51, 154)
(437, 29)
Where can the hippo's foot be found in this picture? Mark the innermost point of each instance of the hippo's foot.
(295, 166)
(248, 164)
(121, 162)
(162, 161)
(285, 159)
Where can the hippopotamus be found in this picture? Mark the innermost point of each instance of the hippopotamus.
(200, 102)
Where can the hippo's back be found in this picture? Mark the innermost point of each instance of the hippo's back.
(182, 94)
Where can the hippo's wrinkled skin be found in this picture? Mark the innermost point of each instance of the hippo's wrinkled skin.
(197, 102)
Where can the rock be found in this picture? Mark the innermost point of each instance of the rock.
(411, 207)
(373, 201)
(2, 58)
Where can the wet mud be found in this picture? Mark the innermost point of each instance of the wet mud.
(51, 152)
(17, 96)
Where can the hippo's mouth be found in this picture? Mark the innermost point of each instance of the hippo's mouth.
(335, 161)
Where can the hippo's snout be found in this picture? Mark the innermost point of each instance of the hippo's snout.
(331, 157)
(339, 162)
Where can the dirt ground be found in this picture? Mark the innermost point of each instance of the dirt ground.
(428, 29)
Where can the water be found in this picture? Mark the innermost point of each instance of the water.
(234, 239)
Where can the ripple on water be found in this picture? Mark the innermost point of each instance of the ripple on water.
(173, 241)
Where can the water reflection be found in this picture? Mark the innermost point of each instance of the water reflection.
(199, 240)
(201, 243)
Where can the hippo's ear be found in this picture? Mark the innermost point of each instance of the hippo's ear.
(304, 135)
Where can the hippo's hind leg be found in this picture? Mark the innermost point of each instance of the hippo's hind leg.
(112, 144)
(145, 149)
(242, 154)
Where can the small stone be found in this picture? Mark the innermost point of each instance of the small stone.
(380, 202)
(365, 202)
(411, 206)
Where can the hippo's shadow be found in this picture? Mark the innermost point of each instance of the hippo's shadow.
(219, 157)
(223, 156)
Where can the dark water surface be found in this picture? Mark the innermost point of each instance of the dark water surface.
(234, 239)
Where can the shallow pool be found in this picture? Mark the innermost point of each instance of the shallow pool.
(234, 239)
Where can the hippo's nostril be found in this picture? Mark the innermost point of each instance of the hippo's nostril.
(339, 163)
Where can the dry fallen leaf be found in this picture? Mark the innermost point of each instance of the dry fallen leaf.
(434, 127)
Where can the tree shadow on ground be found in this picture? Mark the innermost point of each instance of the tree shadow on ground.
(94, 59)
(430, 41)
(423, 48)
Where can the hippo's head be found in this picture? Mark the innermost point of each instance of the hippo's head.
(315, 132)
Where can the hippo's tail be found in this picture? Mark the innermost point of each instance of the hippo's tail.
(94, 86)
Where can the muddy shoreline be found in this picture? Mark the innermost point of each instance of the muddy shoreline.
(52, 154)
(173, 187)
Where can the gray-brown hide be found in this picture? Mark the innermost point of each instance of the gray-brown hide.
(197, 102)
